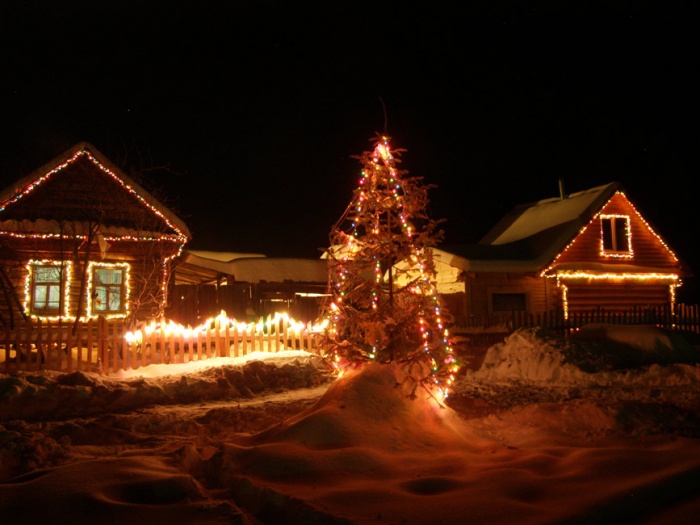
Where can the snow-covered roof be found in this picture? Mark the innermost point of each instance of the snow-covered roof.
(207, 266)
(530, 235)
(26, 185)
(528, 220)
(205, 256)
(278, 270)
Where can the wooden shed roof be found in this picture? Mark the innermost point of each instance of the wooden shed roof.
(125, 204)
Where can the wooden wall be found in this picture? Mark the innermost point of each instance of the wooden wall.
(146, 272)
(615, 296)
(481, 286)
(649, 250)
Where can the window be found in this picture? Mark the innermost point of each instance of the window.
(108, 291)
(46, 288)
(508, 302)
(616, 234)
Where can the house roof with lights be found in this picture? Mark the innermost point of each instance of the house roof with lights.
(532, 237)
(56, 193)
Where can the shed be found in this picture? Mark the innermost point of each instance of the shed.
(246, 286)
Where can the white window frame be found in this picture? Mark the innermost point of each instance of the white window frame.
(98, 290)
(59, 288)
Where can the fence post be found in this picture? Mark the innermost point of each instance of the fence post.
(28, 346)
(226, 350)
(102, 345)
(42, 356)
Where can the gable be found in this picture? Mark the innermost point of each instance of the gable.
(642, 251)
(82, 187)
(563, 235)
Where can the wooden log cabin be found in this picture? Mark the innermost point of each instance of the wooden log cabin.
(81, 239)
(589, 250)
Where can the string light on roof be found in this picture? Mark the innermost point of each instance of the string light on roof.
(180, 236)
(548, 272)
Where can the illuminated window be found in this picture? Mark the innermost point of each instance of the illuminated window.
(615, 230)
(47, 286)
(108, 289)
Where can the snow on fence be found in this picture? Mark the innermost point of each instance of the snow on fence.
(106, 346)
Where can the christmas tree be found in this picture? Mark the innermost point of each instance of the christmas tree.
(383, 304)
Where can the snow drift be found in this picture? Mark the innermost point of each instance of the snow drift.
(531, 437)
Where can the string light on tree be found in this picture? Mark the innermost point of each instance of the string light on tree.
(380, 312)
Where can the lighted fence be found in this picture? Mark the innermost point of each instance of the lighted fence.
(105, 346)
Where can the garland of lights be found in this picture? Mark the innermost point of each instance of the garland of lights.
(569, 275)
(379, 235)
(628, 232)
(223, 322)
(546, 271)
(178, 238)
(65, 285)
(166, 276)
(123, 238)
(67, 266)
(40, 180)
(127, 286)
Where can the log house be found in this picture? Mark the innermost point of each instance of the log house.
(589, 250)
(80, 239)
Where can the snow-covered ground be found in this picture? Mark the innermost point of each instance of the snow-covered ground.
(602, 428)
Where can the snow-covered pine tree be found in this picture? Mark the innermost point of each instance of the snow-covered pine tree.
(383, 305)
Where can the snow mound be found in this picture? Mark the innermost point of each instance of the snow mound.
(363, 416)
(527, 355)
(49, 395)
(596, 355)
(375, 404)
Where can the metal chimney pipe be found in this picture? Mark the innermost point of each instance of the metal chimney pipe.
(562, 195)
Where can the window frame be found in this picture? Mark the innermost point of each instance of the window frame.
(63, 284)
(619, 236)
(122, 287)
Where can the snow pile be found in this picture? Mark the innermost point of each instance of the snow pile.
(375, 395)
(526, 439)
(600, 355)
(526, 355)
(53, 395)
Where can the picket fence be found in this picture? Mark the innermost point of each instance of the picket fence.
(672, 317)
(106, 346)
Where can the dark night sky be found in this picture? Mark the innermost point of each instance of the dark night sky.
(244, 115)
